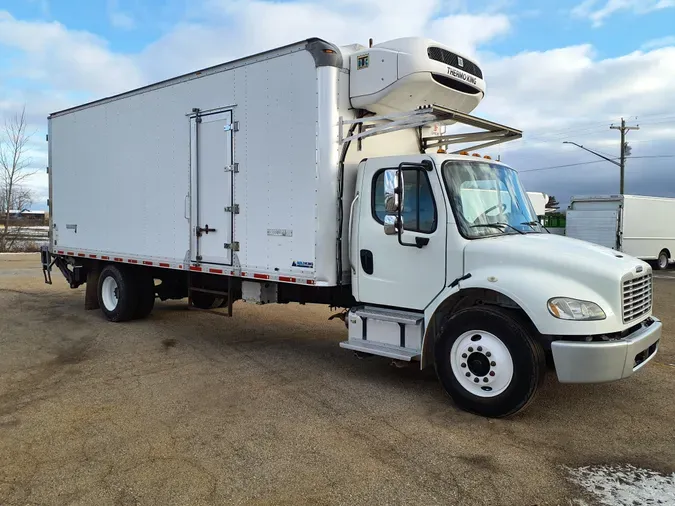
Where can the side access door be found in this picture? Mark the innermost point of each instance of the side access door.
(212, 173)
(408, 271)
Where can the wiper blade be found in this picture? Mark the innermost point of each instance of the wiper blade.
(533, 223)
(497, 226)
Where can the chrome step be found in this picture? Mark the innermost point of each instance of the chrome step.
(390, 315)
(382, 350)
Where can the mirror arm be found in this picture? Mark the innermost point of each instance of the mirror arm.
(424, 165)
(417, 243)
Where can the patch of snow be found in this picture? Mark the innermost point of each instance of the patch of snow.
(625, 485)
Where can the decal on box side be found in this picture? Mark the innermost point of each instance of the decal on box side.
(362, 61)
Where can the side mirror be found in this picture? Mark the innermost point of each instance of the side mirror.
(392, 225)
(393, 190)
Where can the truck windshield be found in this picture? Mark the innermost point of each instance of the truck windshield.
(487, 199)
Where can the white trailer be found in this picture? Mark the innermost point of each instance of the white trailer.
(633, 224)
(539, 201)
(313, 173)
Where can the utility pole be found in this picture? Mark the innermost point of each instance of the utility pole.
(622, 164)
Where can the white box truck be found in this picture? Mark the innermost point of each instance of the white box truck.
(318, 174)
(633, 224)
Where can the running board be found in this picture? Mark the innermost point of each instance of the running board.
(390, 315)
(382, 350)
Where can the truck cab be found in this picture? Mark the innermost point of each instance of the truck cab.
(450, 267)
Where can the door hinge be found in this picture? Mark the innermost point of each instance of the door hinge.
(234, 246)
(232, 168)
(234, 127)
(232, 209)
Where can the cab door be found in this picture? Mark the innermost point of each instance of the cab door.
(408, 271)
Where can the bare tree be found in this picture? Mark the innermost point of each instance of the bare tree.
(14, 171)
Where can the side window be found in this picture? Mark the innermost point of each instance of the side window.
(419, 208)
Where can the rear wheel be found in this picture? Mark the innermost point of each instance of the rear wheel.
(489, 362)
(145, 286)
(662, 262)
(116, 294)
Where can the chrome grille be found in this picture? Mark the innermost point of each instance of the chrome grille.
(637, 297)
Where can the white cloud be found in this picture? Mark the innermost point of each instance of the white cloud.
(571, 94)
(658, 43)
(597, 14)
(225, 29)
(558, 88)
(118, 18)
(467, 32)
(67, 59)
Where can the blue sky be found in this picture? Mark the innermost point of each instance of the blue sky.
(558, 70)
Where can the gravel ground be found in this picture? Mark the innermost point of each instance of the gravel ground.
(265, 408)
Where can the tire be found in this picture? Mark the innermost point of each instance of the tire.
(117, 294)
(663, 260)
(203, 300)
(483, 339)
(145, 286)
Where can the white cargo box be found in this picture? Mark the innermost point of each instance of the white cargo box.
(235, 169)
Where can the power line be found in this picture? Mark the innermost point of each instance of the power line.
(587, 163)
(560, 166)
(653, 156)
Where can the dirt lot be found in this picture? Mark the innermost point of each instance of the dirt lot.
(265, 408)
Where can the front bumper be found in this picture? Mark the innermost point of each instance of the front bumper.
(600, 362)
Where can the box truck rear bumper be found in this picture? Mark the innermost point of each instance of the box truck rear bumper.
(600, 362)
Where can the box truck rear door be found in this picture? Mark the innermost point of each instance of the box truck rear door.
(596, 226)
(212, 182)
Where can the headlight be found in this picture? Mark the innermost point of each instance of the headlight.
(573, 309)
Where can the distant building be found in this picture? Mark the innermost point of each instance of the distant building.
(15, 214)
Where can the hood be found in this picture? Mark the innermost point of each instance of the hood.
(555, 252)
(555, 266)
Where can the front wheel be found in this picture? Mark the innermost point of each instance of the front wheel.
(489, 362)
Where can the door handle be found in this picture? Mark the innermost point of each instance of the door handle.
(186, 212)
(204, 230)
(367, 261)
